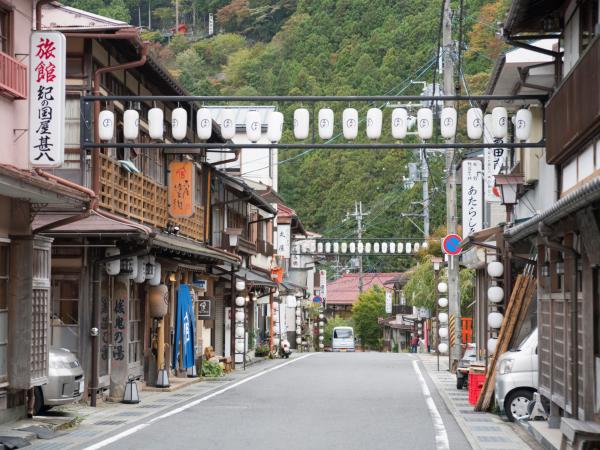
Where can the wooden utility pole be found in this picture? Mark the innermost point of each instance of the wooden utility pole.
(358, 215)
(453, 276)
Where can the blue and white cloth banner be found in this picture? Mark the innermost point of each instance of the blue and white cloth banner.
(184, 328)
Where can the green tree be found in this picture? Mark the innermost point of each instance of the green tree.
(365, 314)
(116, 9)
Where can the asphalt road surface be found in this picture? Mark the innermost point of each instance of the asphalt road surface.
(343, 401)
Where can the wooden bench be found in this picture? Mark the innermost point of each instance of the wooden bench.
(577, 433)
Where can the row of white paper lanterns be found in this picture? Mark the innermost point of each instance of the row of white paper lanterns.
(140, 272)
(399, 124)
(442, 287)
(367, 247)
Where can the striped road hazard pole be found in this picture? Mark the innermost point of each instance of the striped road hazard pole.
(452, 322)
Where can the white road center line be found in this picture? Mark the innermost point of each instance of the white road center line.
(141, 426)
(441, 436)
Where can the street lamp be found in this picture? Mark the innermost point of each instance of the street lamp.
(509, 187)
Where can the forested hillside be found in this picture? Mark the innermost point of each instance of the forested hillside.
(326, 47)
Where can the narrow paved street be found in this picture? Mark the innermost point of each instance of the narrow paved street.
(320, 401)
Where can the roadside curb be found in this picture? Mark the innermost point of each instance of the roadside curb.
(457, 416)
(539, 437)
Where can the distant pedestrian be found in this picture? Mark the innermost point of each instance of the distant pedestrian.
(414, 343)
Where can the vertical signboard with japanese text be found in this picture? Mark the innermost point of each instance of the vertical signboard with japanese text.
(323, 283)
(472, 196)
(495, 161)
(47, 67)
(283, 240)
(388, 302)
(181, 189)
(211, 24)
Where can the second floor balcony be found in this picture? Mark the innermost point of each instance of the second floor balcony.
(13, 78)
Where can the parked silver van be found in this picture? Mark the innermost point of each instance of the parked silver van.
(517, 377)
(342, 339)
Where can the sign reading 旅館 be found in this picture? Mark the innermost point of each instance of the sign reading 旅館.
(47, 67)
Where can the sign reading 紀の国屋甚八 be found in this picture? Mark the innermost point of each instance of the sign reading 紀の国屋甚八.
(472, 196)
(494, 161)
(47, 67)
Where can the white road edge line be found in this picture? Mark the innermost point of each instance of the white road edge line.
(441, 436)
(141, 426)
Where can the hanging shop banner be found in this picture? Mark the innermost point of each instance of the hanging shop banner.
(472, 196)
(495, 161)
(295, 257)
(47, 67)
(283, 240)
(181, 189)
(323, 283)
(388, 302)
(211, 24)
(184, 328)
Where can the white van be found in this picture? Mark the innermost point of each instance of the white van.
(342, 339)
(517, 377)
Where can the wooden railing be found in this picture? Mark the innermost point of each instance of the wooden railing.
(13, 77)
(264, 247)
(137, 197)
(573, 113)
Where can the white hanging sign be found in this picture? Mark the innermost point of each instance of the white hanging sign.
(323, 283)
(388, 302)
(283, 240)
(211, 24)
(494, 161)
(472, 196)
(47, 67)
(295, 257)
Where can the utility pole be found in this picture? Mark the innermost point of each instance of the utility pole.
(425, 180)
(358, 216)
(453, 278)
(176, 17)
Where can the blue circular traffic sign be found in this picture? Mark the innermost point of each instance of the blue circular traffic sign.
(451, 244)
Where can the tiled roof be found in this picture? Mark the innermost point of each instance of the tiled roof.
(344, 290)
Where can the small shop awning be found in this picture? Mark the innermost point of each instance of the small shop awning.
(252, 278)
(92, 225)
(184, 246)
(480, 237)
(292, 287)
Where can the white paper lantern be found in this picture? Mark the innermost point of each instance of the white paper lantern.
(321, 330)
(298, 312)
(328, 247)
(204, 124)
(350, 123)
(400, 247)
(360, 247)
(416, 247)
(344, 247)
(131, 124)
(495, 319)
(443, 332)
(276, 293)
(336, 247)
(392, 247)
(239, 347)
(325, 122)
(298, 321)
(239, 332)
(321, 316)
(228, 119)
(408, 247)
(474, 123)
(239, 316)
(425, 244)
(499, 122)
(368, 247)
(442, 287)
(374, 119)
(156, 274)
(240, 285)
(442, 347)
(275, 341)
(442, 302)
(425, 123)
(495, 269)
(448, 123)
(106, 125)
(293, 302)
(523, 121)
(141, 270)
(321, 337)
(384, 247)
(301, 120)
(156, 124)
(495, 294)
(320, 247)
(240, 301)
(179, 123)
(321, 324)
(253, 126)
(376, 247)
(113, 267)
(274, 126)
(298, 341)
(491, 345)
(443, 317)
(321, 345)
(275, 305)
(399, 123)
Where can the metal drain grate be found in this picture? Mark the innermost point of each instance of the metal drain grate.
(149, 405)
(130, 413)
(110, 422)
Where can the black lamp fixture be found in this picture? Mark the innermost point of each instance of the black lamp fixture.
(560, 266)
